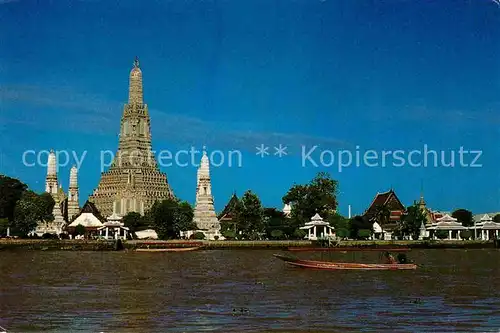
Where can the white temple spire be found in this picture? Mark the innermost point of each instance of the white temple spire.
(73, 205)
(135, 95)
(51, 185)
(52, 164)
(73, 177)
(204, 212)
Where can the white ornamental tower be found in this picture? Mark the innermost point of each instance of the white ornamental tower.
(73, 207)
(204, 212)
(51, 179)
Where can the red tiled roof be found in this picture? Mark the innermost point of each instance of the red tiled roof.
(382, 199)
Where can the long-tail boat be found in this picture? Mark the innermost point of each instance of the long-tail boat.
(347, 249)
(172, 249)
(342, 265)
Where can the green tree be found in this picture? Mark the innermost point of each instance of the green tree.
(198, 235)
(229, 234)
(319, 196)
(382, 214)
(496, 218)
(277, 234)
(342, 233)
(338, 221)
(134, 221)
(299, 234)
(11, 191)
(4, 224)
(169, 217)
(364, 233)
(80, 230)
(411, 221)
(359, 223)
(185, 217)
(275, 220)
(250, 216)
(464, 216)
(30, 210)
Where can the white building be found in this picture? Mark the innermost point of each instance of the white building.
(317, 228)
(113, 228)
(485, 228)
(448, 224)
(204, 211)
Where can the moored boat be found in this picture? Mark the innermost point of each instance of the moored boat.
(342, 265)
(173, 249)
(347, 249)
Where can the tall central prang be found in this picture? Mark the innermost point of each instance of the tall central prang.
(133, 182)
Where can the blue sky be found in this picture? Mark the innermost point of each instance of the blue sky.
(231, 75)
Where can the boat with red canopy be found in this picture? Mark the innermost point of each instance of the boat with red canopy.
(342, 265)
(171, 249)
(347, 249)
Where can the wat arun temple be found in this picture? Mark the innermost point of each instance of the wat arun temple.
(133, 182)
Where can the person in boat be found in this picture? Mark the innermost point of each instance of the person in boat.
(389, 258)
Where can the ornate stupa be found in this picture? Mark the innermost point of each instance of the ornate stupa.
(51, 179)
(134, 182)
(204, 212)
(73, 206)
(51, 186)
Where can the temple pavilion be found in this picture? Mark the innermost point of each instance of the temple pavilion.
(317, 228)
(113, 228)
(486, 229)
(449, 224)
(90, 218)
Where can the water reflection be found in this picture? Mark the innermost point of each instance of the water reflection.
(245, 291)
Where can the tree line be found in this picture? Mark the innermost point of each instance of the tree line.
(22, 209)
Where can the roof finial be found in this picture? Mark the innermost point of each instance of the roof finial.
(421, 188)
(136, 62)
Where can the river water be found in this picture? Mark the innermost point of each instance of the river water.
(245, 291)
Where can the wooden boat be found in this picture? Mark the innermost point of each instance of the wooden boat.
(172, 249)
(347, 249)
(171, 244)
(342, 265)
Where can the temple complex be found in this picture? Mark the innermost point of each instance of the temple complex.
(64, 205)
(317, 228)
(204, 212)
(133, 182)
(389, 202)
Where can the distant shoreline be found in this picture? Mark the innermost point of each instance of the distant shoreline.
(102, 245)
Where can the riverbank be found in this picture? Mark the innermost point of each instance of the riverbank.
(102, 245)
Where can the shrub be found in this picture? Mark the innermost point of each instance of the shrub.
(364, 233)
(465, 234)
(277, 234)
(64, 236)
(441, 234)
(198, 235)
(229, 234)
(299, 234)
(342, 233)
(49, 236)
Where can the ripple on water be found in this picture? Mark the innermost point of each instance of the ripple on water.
(207, 290)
